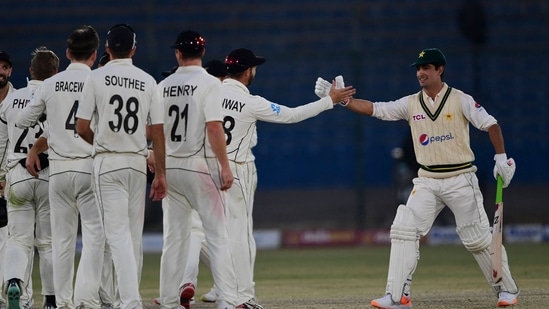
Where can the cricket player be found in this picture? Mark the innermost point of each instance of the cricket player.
(198, 174)
(70, 187)
(27, 195)
(241, 112)
(439, 118)
(120, 98)
(5, 89)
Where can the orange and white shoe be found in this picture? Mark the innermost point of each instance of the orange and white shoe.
(386, 302)
(506, 299)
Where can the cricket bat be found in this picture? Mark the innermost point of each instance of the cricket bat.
(497, 230)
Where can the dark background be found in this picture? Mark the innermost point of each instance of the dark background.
(336, 170)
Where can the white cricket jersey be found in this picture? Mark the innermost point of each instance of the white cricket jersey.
(20, 140)
(59, 97)
(242, 111)
(121, 98)
(191, 98)
(4, 139)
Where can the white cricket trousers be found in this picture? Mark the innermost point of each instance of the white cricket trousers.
(240, 224)
(28, 226)
(71, 195)
(192, 184)
(120, 187)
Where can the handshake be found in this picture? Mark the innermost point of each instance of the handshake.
(323, 87)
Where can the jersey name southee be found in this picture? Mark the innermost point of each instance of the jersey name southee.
(20, 103)
(233, 105)
(68, 86)
(125, 82)
(178, 91)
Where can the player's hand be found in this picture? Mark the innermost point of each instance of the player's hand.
(505, 168)
(33, 163)
(342, 95)
(159, 188)
(322, 87)
(227, 178)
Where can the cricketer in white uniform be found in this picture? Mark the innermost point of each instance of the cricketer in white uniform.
(198, 172)
(5, 89)
(27, 196)
(70, 186)
(120, 98)
(439, 117)
(241, 112)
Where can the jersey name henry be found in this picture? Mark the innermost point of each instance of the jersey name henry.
(233, 105)
(125, 82)
(179, 90)
(68, 86)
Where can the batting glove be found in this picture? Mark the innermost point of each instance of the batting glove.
(322, 87)
(505, 168)
(341, 84)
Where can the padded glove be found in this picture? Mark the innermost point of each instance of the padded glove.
(322, 87)
(505, 168)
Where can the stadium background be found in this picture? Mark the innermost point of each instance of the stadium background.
(336, 170)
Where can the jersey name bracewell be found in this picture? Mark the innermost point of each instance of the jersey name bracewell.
(68, 86)
(59, 97)
(191, 98)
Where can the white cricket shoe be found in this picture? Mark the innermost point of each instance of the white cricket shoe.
(386, 302)
(507, 299)
(210, 297)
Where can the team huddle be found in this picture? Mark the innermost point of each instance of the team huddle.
(77, 146)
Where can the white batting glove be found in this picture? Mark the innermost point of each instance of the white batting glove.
(505, 168)
(322, 87)
(341, 84)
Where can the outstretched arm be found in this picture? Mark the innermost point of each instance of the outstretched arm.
(361, 106)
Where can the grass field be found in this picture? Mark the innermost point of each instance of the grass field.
(447, 277)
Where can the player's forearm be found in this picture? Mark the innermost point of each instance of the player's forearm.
(84, 131)
(496, 137)
(216, 135)
(39, 146)
(159, 148)
(361, 106)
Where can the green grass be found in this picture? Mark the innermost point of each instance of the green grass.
(446, 277)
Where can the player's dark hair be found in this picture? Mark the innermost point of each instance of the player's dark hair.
(44, 63)
(187, 54)
(438, 65)
(83, 42)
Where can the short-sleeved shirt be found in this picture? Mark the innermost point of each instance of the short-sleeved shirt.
(59, 97)
(191, 98)
(120, 98)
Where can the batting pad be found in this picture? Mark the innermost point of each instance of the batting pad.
(404, 252)
(477, 240)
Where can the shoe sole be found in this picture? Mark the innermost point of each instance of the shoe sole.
(14, 297)
(507, 304)
(185, 297)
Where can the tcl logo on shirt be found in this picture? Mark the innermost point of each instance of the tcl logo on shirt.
(418, 117)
